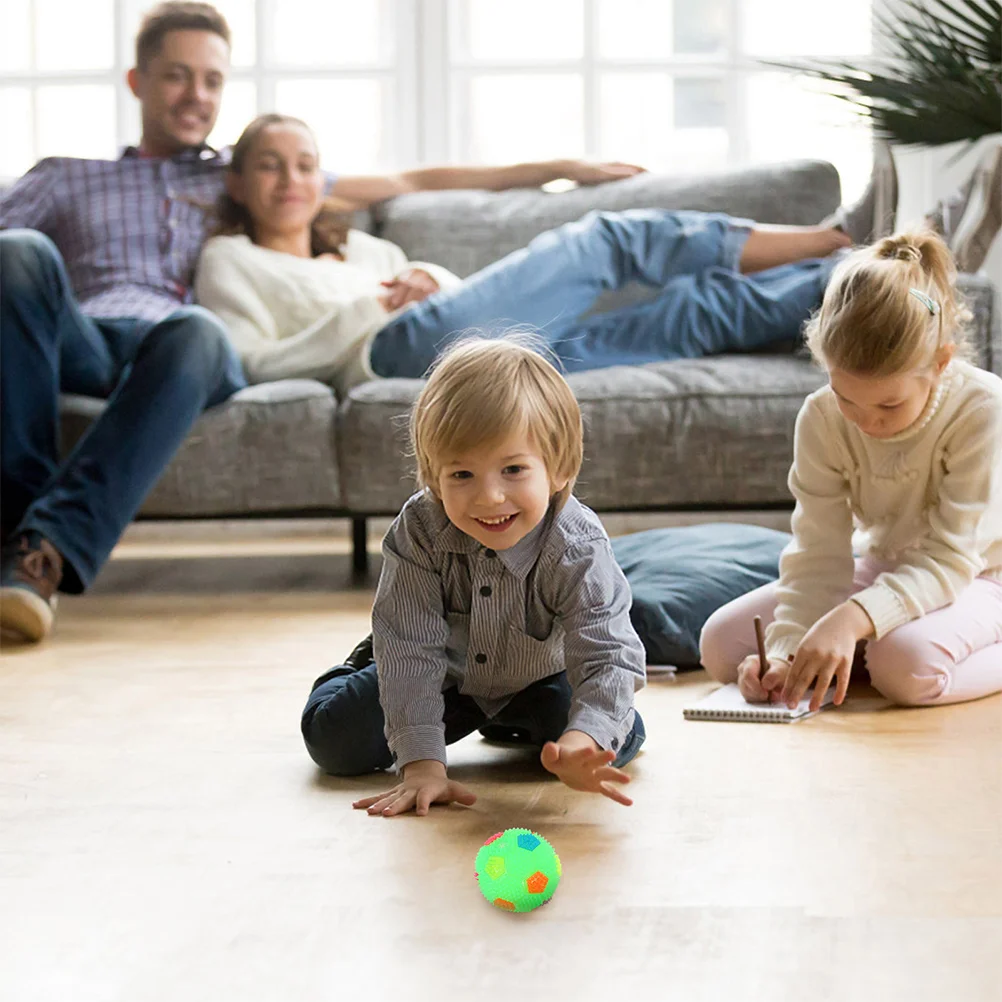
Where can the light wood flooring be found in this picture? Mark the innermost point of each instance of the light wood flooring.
(165, 838)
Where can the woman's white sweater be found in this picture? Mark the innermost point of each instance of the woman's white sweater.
(290, 317)
(927, 501)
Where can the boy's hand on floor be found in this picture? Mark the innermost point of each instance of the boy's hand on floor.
(578, 762)
(759, 688)
(424, 783)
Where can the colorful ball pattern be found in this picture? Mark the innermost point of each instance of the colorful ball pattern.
(517, 870)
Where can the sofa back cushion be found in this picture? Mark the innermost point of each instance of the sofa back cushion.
(467, 230)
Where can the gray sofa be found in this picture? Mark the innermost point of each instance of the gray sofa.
(713, 433)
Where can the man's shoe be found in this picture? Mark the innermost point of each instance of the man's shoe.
(982, 216)
(872, 216)
(30, 571)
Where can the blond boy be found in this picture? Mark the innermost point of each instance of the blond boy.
(499, 604)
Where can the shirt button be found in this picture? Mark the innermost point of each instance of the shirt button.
(615, 743)
(481, 659)
(490, 553)
(485, 591)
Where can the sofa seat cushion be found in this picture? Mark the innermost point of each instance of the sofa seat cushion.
(268, 449)
(680, 577)
(668, 435)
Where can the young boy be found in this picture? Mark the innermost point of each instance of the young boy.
(499, 602)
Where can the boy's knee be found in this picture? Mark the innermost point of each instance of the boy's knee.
(901, 669)
(338, 730)
(327, 733)
(27, 259)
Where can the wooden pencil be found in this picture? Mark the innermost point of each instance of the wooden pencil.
(760, 638)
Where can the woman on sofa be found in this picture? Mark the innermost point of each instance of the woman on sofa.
(304, 295)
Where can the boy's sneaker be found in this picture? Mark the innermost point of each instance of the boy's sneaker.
(30, 571)
(872, 216)
(982, 214)
(503, 735)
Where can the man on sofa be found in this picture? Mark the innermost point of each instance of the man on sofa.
(97, 259)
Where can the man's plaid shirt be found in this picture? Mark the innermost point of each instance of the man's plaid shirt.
(129, 230)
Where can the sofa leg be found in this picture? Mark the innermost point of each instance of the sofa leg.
(360, 546)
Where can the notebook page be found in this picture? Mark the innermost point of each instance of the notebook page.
(727, 703)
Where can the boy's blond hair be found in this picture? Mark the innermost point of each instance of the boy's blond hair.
(483, 390)
(889, 308)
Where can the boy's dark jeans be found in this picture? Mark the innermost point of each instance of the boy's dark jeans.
(343, 721)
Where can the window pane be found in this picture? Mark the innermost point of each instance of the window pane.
(791, 28)
(345, 115)
(650, 138)
(239, 107)
(520, 30)
(240, 17)
(700, 103)
(239, 14)
(635, 29)
(825, 128)
(77, 120)
(335, 33)
(700, 26)
(526, 117)
(74, 36)
(15, 38)
(16, 150)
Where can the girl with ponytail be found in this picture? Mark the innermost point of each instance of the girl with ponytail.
(897, 476)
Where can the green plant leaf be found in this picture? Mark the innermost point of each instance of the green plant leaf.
(940, 83)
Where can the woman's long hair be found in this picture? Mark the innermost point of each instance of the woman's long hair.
(329, 230)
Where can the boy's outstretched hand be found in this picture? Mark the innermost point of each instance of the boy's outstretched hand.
(424, 783)
(577, 761)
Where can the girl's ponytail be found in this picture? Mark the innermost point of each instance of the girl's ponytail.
(889, 308)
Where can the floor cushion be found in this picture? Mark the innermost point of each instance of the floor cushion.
(680, 576)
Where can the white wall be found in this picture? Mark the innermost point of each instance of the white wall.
(924, 176)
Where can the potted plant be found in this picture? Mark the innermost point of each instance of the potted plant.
(941, 80)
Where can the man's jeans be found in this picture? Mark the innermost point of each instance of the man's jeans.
(158, 378)
(343, 722)
(704, 306)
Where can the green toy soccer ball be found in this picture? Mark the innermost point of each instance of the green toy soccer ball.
(517, 870)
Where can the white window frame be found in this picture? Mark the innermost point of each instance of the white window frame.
(446, 78)
(424, 122)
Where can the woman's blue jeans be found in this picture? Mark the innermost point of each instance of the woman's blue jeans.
(704, 306)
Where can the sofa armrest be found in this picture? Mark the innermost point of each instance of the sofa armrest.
(986, 334)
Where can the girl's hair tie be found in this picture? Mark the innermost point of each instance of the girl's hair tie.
(927, 301)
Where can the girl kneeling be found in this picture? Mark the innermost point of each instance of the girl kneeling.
(904, 445)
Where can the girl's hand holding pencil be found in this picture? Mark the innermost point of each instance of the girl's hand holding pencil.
(761, 679)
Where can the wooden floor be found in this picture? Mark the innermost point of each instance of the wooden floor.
(164, 836)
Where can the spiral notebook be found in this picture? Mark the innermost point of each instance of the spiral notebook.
(727, 703)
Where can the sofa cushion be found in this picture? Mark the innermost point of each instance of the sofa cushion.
(467, 230)
(680, 577)
(691, 433)
(268, 449)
